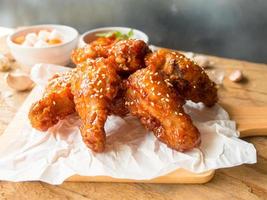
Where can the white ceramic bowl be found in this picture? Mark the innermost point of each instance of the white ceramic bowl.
(55, 54)
(90, 36)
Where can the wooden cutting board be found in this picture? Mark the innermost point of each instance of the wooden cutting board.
(251, 121)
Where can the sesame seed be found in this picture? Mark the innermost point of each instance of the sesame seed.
(99, 82)
(169, 84)
(181, 114)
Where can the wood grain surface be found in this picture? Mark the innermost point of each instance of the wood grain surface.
(242, 182)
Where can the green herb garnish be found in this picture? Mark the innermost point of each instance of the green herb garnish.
(118, 35)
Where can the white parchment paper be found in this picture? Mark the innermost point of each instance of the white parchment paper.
(131, 151)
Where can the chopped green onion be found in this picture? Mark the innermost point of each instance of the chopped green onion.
(130, 33)
(117, 34)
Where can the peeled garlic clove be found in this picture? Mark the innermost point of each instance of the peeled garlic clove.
(40, 43)
(5, 63)
(189, 55)
(216, 75)
(19, 81)
(43, 35)
(236, 76)
(55, 35)
(202, 61)
(31, 38)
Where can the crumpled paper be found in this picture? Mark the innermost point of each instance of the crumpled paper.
(131, 151)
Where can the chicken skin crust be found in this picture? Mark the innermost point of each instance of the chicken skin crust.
(189, 79)
(56, 103)
(94, 86)
(153, 100)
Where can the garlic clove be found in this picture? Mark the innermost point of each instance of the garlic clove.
(202, 61)
(43, 35)
(19, 81)
(5, 64)
(236, 76)
(216, 75)
(189, 55)
(55, 35)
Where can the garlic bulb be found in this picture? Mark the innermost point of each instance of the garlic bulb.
(19, 81)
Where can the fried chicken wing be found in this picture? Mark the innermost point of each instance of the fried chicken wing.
(98, 48)
(129, 54)
(94, 86)
(152, 99)
(56, 103)
(190, 80)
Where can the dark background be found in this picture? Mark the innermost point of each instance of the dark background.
(228, 28)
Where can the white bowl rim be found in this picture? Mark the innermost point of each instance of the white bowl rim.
(10, 42)
(114, 28)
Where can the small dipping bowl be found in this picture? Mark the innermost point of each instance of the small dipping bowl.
(54, 54)
(90, 36)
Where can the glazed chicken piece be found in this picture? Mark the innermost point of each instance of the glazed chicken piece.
(158, 106)
(56, 103)
(97, 48)
(94, 86)
(189, 79)
(129, 55)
